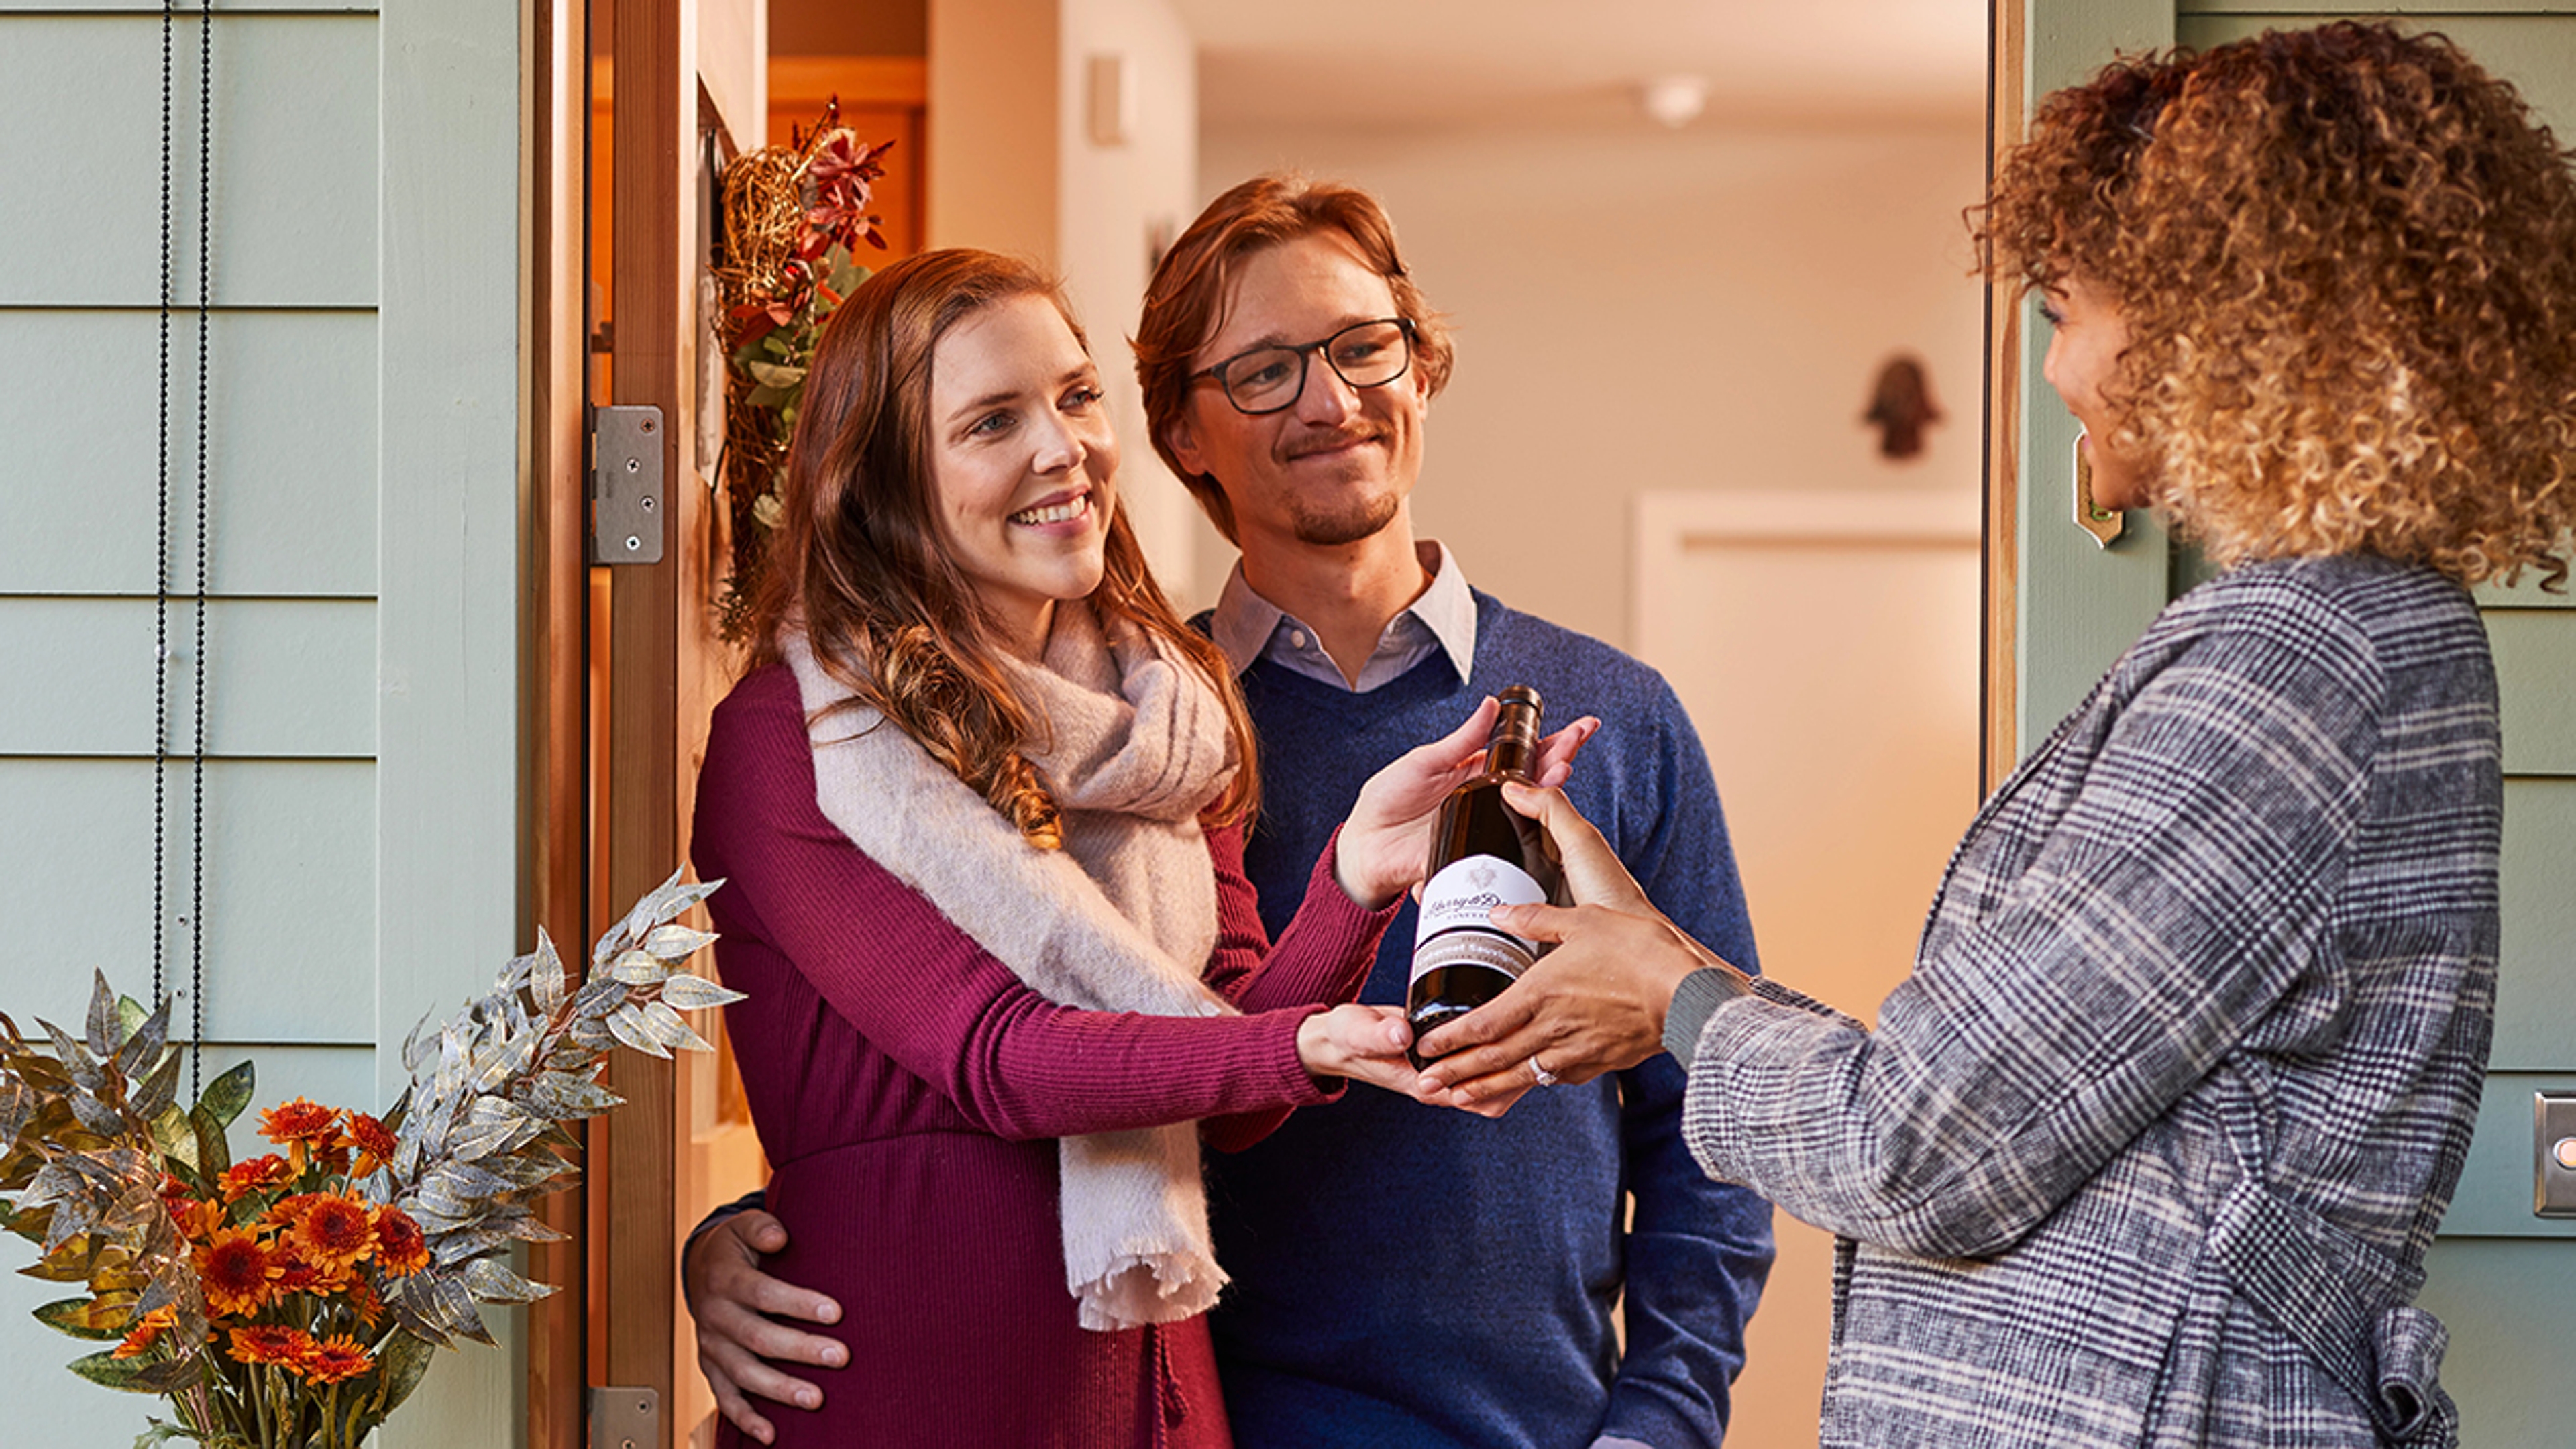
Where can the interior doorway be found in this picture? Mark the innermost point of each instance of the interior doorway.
(1826, 647)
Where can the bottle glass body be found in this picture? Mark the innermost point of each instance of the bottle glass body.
(1484, 854)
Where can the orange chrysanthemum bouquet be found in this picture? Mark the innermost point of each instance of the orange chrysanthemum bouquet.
(292, 1300)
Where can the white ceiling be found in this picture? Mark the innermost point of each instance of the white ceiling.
(1371, 63)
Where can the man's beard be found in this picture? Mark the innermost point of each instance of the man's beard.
(1330, 525)
(1362, 518)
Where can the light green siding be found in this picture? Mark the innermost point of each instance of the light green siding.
(2536, 976)
(292, 441)
(2501, 1277)
(362, 654)
(291, 879)
(2080, 604)
(2505, 1301)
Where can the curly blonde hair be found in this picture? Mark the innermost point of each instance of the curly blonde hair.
(2346, 257)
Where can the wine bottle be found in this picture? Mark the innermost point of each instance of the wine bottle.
(1484, 854)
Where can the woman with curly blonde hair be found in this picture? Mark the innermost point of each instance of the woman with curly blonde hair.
(2149, 1148)
(979, 810)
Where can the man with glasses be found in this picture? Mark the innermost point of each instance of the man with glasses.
(1405, 1277)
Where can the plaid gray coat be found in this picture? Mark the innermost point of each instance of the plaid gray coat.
(2165, 1118)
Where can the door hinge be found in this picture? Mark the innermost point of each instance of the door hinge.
(625, 1418)
(626, 504)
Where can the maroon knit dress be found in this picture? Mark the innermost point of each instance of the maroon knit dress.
(908, 1090)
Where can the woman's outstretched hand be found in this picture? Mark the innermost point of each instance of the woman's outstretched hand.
(1363, 1043)
(1387, 839)
(1367, 1044)
(1594, 1004)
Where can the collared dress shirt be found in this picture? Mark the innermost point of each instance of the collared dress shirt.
(1249, 627)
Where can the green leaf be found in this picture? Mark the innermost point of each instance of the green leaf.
(144, 1038)
(403, 1363)
(131, 1012)
(129, 1375)
(161, 1433)
(32, 1223)
(176, 1136)
(69, 1264)
(226, 1095)
(103, 1319)
(214, 1154)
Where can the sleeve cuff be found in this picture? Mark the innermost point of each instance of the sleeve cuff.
(756, 1200)
(1327, 872)
(1693, 1000)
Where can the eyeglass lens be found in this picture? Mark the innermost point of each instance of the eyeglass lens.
(1267, 379)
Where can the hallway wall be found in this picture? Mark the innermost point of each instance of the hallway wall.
(1639, 310)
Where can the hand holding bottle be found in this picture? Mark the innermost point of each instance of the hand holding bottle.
(1594, 1004)
(1387, 838)
(1362, 1043)
(1368, 1044)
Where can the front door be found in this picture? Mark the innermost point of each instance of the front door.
(2064, 605)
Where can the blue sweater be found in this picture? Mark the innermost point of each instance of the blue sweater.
(1409, 1277)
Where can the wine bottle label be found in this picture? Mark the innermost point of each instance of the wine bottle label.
(1465, 893)
(1484, 946)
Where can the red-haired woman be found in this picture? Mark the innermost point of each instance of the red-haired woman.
(2149, 1148)
(978, 805)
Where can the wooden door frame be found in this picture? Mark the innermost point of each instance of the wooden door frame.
(621, 1232)
(554, 469)
(634, 1151)
(623, 665)
(2006, 25)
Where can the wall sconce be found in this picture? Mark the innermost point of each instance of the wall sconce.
(1901, 406)
(1112, 100)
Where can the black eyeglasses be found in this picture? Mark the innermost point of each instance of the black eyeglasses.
(1270, 377)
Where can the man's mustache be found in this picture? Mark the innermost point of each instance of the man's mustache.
(1313, 443)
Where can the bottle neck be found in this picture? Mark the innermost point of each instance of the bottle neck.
(1512, 752)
